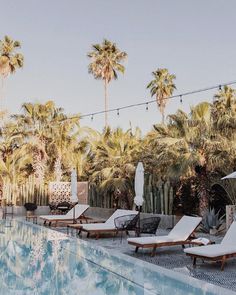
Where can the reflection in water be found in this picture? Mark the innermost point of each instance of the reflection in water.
(35, 260)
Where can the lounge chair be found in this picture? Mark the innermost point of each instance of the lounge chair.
(109, 226)
(181, 234)
(218, 252)
(68, 217)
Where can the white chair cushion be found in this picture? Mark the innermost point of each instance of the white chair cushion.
(98, 226)
(230, 236)
(183, 229)
(150, 240)
(211, 250)
(79, 210)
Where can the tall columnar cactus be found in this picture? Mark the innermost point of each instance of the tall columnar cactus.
(166, 197)
(27, 192)
(171, 200)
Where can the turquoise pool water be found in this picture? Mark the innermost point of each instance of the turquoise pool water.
(37, 260)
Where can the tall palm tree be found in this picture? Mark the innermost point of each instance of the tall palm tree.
(224, 111)
(226, 96)
(10, 60)
(106, 62)
(62, 138)
(162, 86)
(36, 122)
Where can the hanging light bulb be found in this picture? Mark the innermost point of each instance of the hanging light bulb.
(220, 88)
(118, 112)
(181, 99)
(147, 106)
(92, 117)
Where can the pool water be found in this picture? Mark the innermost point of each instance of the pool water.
(37, 260)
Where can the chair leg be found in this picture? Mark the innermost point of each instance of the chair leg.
(136, 249)
(114, 235)
(121, 236)
(223, 263)
(153, 251)
(194, 261)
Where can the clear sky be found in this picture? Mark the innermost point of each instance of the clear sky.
(195, 40)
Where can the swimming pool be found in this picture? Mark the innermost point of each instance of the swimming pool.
(37, 260)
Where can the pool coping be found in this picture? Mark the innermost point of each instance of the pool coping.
(174, 275)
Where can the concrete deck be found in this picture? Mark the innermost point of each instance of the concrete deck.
(170, 258)
(174, 258)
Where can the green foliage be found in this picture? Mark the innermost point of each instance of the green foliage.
(44, 144)
(162, 86)
(106, 61)
(10, 59)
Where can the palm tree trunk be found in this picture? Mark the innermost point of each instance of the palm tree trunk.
(106, 102)
(203, 195)
(57, 169)
(38, 167)
(163, 117)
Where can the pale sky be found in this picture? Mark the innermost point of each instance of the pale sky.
(195, 40)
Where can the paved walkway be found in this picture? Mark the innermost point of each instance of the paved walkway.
(174, 258)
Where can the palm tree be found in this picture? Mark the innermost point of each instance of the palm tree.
(10, 60)
(225, 96)
(106, 62)
(190, 146)
(62, 139)
(36, 122)
(162, 86)
(113, 164)
(224, 111)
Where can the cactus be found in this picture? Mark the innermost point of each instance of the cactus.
(171, 200)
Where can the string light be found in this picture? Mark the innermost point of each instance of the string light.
(179, 96)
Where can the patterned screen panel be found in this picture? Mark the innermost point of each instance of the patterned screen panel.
(61, 192)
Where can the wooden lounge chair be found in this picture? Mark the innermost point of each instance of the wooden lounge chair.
(108, 226)
(68, 217)
(218, 252)
(181, 234)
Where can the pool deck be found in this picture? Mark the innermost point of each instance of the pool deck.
(174, 258)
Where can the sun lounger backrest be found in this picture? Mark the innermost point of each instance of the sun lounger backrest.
(79, 210)
(118, 213)
(230, 236)
(183, 229)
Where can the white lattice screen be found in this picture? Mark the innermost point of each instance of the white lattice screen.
(61, 191)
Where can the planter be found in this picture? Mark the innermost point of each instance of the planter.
(230, 213)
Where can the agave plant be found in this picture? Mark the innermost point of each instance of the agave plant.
(211, 220)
